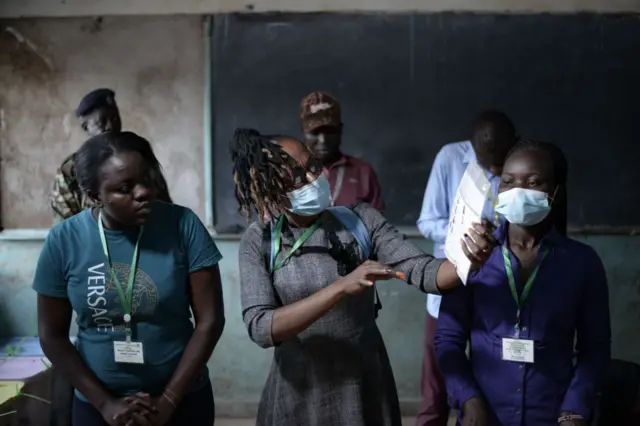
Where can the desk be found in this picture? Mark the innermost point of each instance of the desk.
(21, 360)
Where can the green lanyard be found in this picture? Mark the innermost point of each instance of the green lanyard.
(520, 301)
(125, 299)
(299, 242)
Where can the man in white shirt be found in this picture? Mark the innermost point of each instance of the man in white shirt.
(493, 136)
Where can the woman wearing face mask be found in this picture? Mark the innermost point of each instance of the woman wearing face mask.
(307, 287)
(523, 308)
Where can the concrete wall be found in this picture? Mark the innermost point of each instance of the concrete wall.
(155, 64)
(156, 67)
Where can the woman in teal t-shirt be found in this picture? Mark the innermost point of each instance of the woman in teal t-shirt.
(132, 269)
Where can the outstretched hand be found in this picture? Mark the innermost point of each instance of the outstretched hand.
(366, 275)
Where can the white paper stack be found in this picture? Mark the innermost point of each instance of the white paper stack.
(467, 209)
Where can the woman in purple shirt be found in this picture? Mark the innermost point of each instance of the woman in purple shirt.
(538, 294)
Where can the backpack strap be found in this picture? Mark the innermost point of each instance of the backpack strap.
(358, 229)
(352, 222)
(349, 219)
(355, 225)
(272, 251)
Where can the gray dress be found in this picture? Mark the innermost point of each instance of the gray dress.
(336, 372)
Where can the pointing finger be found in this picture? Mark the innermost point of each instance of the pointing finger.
(366, 283)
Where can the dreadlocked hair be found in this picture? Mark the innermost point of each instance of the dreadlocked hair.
(560, 175)
(261, 173)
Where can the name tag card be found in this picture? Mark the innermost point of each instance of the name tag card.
(517, 350)
(128, 352)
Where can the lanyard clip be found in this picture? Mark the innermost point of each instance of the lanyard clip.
(516, 335)
(127, 327)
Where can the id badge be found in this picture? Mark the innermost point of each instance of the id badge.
(128, 352)
(517, 350)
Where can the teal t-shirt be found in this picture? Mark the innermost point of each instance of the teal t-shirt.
(72, 265)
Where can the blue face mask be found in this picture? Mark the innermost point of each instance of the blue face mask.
(524, 207)
(311, 199)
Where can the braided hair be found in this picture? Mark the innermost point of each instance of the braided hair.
(560, 175)
(262, 173)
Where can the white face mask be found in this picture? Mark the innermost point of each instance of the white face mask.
(312, 198)
(525, 207)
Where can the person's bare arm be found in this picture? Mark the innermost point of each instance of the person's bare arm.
(290, 320)
(205, 292)
(208, 311)
(447, 277)
(54, 320)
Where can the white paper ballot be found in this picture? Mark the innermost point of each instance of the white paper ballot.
(467, 208)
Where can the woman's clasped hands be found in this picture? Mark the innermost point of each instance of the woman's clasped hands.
(139, 410)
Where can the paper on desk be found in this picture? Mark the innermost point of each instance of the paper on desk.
(22, 367)
(466, 209)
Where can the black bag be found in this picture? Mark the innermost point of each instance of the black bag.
(45, 400)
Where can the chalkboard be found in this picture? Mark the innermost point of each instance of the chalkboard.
(408, 84)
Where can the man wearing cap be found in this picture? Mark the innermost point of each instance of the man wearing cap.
(98, 113)
(351, 180)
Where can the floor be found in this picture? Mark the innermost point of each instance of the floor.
(407, 421)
